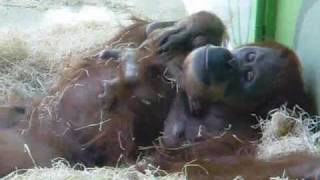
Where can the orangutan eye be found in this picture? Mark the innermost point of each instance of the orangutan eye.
(249, 75)
(251, 57)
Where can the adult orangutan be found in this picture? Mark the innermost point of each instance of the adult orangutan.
(104, 109)
(100, 111)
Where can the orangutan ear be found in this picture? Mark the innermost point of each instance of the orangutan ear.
(11, 115)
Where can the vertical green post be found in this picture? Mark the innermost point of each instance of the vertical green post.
(265, 20)
(259, 25)
(287, 14)
(270, 19)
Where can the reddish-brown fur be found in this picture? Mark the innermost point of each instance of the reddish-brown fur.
(59, 125)
(54, 124)
(66, 122)
(228, 156)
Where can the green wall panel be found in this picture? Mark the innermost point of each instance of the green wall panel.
(287, 13)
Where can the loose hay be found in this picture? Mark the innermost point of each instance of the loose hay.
(284, 131)
(62, 170)
(31, 61)
(287, 131)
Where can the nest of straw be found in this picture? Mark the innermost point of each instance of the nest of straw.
(284, 131)
(287, 131)
(30, 62)
(62, 170)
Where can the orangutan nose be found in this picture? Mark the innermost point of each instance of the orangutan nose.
(212, 64)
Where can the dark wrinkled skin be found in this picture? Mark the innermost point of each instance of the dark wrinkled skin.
(197, 30)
